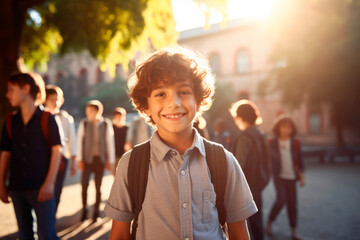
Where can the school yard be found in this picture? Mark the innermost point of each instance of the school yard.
(329, 207)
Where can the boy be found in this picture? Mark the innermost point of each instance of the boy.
(120, 132)
(54, 100)
(33, 158)
(96, 151)
(170, 88)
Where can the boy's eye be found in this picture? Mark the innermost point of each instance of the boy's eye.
(159, 94)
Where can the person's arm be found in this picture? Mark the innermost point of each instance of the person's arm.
(47, 188)
(80, 136)
(4, 167)
(238, 231)
(72, 145)
(120, 230)
(110, 146)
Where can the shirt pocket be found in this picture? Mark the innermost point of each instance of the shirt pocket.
(209, 213)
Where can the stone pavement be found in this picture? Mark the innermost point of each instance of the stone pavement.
(329, 207)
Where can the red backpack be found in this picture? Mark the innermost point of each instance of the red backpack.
(44, 122)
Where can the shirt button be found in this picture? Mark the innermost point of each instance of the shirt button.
(173, 153)
(187, 238)
(184, 205)
(182, 172)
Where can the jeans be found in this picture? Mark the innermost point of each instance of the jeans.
(24, 202)
(98, 168)
(285, 195)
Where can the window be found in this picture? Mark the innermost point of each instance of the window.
(242, 61)
(215, 63)
(315, 122)
(100, 76)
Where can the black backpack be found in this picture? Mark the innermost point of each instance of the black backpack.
(138, 175)
(260, 151)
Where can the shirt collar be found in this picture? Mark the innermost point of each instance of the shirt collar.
(37, 113)
(160, 149)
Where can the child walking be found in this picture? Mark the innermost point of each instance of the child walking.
(170, 88)
(251, 150)
(288, 167)
(32, 155)
(96, 151)
(53, 102)
(120, 132)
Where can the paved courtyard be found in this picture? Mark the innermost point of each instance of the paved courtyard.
(329, 207)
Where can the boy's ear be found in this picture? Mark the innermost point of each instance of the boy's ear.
(26, 88)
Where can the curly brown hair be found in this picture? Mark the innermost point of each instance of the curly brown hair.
(283, 119)
(168, 66)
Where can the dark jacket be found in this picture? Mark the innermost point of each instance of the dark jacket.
(251, 150)
(298, 163)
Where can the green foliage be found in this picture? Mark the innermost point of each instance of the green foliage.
(320, 41)
(112, 95)
(111, 30)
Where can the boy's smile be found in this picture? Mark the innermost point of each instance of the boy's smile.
(172, 108)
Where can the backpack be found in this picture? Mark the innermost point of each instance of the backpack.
(258, 173)
(44, 122)
(138, 175)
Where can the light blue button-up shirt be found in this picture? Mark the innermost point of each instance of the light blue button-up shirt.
(180, 198)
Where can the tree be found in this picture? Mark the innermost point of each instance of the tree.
(112, 31)
(318, 44)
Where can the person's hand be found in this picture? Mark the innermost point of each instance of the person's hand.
(4, 194)
(302, 179)
(73, 167)
(46, 192)
(81, 165)
(109, 166)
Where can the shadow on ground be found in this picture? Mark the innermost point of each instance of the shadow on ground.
(71, 228)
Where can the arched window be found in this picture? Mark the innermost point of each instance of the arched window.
(242, 61)
(315, 122)
(214, 61)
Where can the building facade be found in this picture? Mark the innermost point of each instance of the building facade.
(238, 54)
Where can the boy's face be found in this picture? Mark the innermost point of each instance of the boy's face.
(91, 113)
(172, 108)
(118, 118)
(53, 102)
(285, 130)
(16, 95)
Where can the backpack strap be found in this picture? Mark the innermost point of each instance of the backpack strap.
(138, 170)
(8, 124)
(44, 122)
(137, 180)
(217, 163)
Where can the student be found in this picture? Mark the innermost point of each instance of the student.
(120, 132)
(96, 151)
(288, 167)
(138, 132)
(53, 102)
(251, 150)
(32, 157)
(169, 88)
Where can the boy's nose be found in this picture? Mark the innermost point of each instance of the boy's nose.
(175, 101)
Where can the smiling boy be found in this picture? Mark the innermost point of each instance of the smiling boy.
(170, 88)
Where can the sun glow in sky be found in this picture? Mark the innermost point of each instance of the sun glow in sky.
(188, 15)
